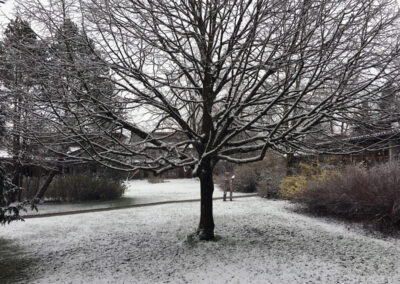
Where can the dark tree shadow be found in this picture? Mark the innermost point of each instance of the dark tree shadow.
(14, 264)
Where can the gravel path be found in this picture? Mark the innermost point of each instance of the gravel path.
(46, 215)
(261, 241)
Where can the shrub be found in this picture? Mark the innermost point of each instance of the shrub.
(293, 186)
(263, 176)
(246, 177)
(30, 186)
(271, 174)
(84, 188)
(222, 167)
(358, 193)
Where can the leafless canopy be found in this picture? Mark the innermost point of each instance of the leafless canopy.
(205, 81)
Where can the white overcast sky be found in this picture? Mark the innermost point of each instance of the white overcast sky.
(6, 13)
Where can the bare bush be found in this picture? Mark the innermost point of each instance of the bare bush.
(358, 193)
(273, 170)
(84, 188)
(269, 181)
(246, 177)
(263, 177)
(222, 167)
(30, 186)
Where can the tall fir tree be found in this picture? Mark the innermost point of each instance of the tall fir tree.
(17, 76)
(79, 80)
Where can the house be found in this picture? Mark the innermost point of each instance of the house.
(75, 150)
(368, 148)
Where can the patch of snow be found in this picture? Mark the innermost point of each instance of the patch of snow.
(138, 192)
(170, 189)
(4, 154)
(263, 241)
(73, 149)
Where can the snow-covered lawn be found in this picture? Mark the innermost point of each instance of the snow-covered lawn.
(262, 241)
(138, 192)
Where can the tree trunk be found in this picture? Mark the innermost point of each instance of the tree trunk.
(206, 226)
(39, 195)
(290, 164)
(16, 180)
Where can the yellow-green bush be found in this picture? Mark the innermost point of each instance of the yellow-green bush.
(292, 186)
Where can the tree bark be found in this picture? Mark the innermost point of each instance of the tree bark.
(40, 194)
(289, 164)
(206, 226)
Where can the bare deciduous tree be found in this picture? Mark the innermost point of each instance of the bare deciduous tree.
(209, 81)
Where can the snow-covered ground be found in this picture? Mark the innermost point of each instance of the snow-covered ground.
(262, 241)
(138, 192)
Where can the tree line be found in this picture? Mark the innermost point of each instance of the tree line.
(26, 85)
